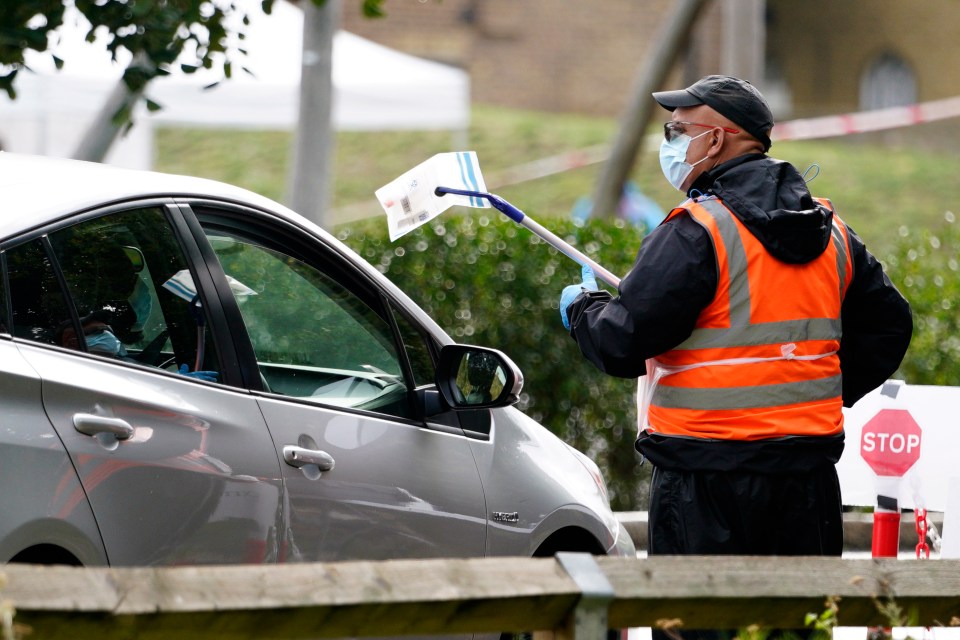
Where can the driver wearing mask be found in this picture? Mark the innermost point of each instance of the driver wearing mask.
(101, 340)
(97, 334)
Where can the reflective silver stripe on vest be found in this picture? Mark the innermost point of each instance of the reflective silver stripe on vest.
(756, 397)
(763, 333)
(840, 244)
(741, 332)
(739, 303)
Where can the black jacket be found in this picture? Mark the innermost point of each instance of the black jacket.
(675, 277)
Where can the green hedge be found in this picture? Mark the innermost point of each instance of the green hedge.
(488, 281)
(924, 266)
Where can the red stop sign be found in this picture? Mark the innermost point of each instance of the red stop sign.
(890, 442)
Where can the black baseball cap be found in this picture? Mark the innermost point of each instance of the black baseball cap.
(736, 99)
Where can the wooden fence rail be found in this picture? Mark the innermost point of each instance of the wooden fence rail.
(575, 595)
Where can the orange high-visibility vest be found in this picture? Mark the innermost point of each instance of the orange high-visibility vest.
(762, 359)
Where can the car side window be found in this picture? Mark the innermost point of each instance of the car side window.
(313, 338)
(4, 321)
(418, 351)
(132, 294)
(40, 310)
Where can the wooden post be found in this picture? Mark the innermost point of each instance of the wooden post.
(633, 123)
(589, 618)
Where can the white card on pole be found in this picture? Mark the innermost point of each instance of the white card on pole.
(410, 200)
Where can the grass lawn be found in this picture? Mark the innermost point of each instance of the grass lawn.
(876, 189)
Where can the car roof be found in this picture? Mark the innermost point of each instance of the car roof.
(36, 190)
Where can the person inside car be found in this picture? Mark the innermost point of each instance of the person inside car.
(100, 339)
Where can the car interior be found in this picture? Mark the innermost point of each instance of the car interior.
(104, 279)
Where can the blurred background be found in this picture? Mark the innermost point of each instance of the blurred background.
(554, 98)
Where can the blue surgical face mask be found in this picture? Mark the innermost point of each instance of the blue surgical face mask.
(673, 159)
(105, 343)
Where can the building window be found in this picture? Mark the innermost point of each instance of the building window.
(887, 82)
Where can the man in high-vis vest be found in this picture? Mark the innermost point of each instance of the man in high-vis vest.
(752, 315)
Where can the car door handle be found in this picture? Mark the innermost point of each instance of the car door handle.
(298, 456)
(92, 425)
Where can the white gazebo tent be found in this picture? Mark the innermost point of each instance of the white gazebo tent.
(375, 89)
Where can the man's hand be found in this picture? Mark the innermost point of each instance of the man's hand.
(570, 293)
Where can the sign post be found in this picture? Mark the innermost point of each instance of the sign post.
(890, 445)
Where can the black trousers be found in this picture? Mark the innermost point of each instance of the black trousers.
(743, 513)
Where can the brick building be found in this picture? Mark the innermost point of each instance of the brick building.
(846, 55)
(810, 58)
(537, 54)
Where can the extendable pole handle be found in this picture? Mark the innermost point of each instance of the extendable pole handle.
(552, 239)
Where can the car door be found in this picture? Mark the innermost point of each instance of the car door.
(366, 477)
(177, 469)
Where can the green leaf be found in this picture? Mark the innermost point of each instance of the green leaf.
(153, 106)
(157, 31)
(373, 8)
(35, 39)
(7, 79)
(7, 86)
(122, 115)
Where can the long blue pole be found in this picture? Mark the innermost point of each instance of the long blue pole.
(524, 220)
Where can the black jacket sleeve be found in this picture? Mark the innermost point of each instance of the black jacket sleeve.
(672, 280)
(675, 277)
(877, 326)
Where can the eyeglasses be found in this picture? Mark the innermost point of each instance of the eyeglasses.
(675, 128)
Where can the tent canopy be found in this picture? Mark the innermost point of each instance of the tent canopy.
(375, 88)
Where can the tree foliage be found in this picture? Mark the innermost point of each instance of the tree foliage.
(925, 267)
(154, 33)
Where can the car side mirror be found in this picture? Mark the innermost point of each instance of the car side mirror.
(472, 377)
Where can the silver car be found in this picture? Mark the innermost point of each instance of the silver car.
(193, 374)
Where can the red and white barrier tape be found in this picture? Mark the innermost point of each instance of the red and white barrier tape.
(549, 166)
(802, 129)
(866, 121)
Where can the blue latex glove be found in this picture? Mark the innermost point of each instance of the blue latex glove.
(207, 376)
(570, 293)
